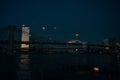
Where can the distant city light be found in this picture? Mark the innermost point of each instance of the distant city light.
(76, 50)
(107, 48)
(74, 41)
(23, 25)
(76, 35)
(43, 28)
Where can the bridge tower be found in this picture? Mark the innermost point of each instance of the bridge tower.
(25, 36)
(11, 29)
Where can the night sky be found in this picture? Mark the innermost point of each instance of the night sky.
(93, 20)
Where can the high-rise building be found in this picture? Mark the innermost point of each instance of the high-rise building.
(25, 36)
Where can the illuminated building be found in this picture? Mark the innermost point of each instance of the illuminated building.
(25, 36)
(74, 41)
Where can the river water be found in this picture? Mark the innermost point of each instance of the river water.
(62, 66)
(59, 66)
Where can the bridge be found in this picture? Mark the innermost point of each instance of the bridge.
(10, 42)
(45, 45)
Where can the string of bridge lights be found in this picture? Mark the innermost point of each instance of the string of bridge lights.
(44, 28)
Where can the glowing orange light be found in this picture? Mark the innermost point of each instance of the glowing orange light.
(96, 69)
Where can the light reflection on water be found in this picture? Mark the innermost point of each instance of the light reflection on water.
(23, 67)
(24, 56)
(46, 65)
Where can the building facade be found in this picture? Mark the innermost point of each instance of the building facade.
(25, 36)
